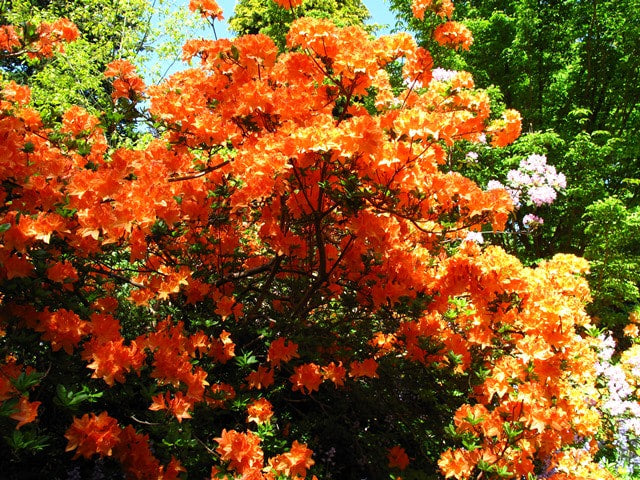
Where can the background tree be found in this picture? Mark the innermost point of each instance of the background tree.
(109, 29)
(613, 229)
(267, 17)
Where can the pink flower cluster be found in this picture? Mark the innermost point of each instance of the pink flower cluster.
(619, 405)
(532, 221)
(535, 183)
(443, 75)
(537, 180)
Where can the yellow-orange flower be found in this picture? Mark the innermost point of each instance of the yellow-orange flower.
(259, 411)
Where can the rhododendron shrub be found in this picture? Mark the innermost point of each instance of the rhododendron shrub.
(532, 185)
(619, 381)
(278, 285)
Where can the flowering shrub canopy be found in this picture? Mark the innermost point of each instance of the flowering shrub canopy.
(226, 298)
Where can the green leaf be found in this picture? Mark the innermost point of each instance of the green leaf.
(235, 53)
(511, 430)
(503, 472)
(470, 443)
(26, 380)
(246, 360)
(456, 359)
(27, 440)
(72, 400)
(8, 407)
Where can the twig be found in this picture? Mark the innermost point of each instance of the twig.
(199, 174)
(143, 421)
(211, 452)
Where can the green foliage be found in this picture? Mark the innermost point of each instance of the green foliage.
(109, 29)
(68, 399)
(259, 16)
(27, 440)
(26, 380)
(614, 251)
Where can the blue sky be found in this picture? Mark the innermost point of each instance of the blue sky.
(380, 13)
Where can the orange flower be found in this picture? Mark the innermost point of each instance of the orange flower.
(262, 378)
(467, 414)
(295, 462)
(318, 35)
(442, 8)
(93, 434)
(289, 4)
(306, 378)
(27, 412)
(457, 463)
(159, 402)
(63, 272)
(119, 68)
(259, 411)
(179, 405)
(631, 330)
(207, 8)
(65, 30)
(220, 393)
(9, 39)
(134, 453)
(280, 351)
(196, 383)
(127, 83)
(9, 370)
(366, 368)
(53, 36)
(398, 458)
(454, 35)
(241, 450)
(105, 327)
(63, 328)
(418, 8)
(335, 373)
(222, 349)
(505, 131)
(17, 266)
(417, 67)
(383, 342)
(112, 359)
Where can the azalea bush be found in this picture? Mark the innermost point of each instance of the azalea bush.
(275, 282)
